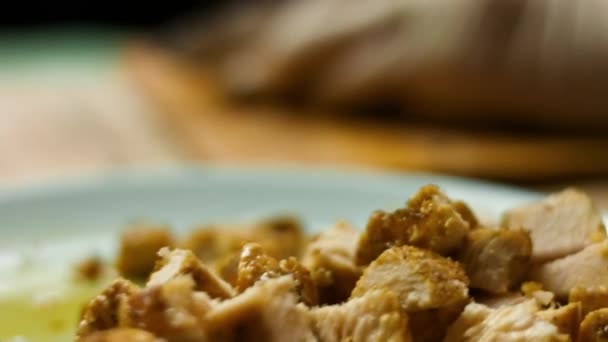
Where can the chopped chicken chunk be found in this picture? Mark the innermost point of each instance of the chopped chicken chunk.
(431, 325)
(281, 237)
(425, 283)
(121, 335)
(255, 265)
(330, 257)
(375, 316)
(420, 278)
(585, 268)
(180, 262)
(594, 328)
(591, 298)
(466, 213)
(560, 225)
(227, 267)
(496, 260)
(171, 310)
(428, 221)
(566, 318)
(138, 247)
(517, 323)
(267, 311)
(107, 310)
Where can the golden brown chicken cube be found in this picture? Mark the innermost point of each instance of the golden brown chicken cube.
(566, 318)
(594, 328)
(121, 335)
(591, 298)
(179, 262)
(426, 284)
(561, 224)
(330, 257)
(496, 260)
(268, 311)
(375, 316)
(254, 265)
(516, 323)
(171, 310)
(138, 247)
(429, 221)
(467, 213)
(420, 278)
(108, 309)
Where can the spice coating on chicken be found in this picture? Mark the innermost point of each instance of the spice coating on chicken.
(429, 221)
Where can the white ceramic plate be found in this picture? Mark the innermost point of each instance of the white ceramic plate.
(45, 229)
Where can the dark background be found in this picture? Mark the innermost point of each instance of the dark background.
(128, 14)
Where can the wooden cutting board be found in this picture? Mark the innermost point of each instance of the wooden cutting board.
(218, 129)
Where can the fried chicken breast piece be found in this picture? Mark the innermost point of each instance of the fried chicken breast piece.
(516, 323)
(255, 265)
(496, 260)
(375, 316)
(431, 289)
(428, 221)
(172, 310)
(330, 257)
(107, 310)
(121, 335)
(268, 311)
(566, 318)
(586, 268)
(420, 278)
(562, 224)
(178, 262)
(138, 247)
(591, 298)
(594, 328)
(467, 213)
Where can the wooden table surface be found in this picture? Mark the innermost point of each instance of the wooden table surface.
(134, 111)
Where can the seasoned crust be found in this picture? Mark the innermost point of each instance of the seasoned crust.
(138, 247)
(108, 309)
(254, 265)
(591, 298)
(594, 328)
(429, 221)
(431, 289)
(420, 278)
(496, 260)
(179, 262)
(171, 310)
